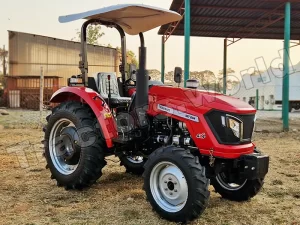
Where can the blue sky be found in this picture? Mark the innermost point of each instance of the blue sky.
(41, 17)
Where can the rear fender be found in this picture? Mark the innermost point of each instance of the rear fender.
(96, 103)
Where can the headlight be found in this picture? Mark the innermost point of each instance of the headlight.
(235, 124)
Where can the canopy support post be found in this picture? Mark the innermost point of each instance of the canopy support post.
(225, 67)
(187, 33)
(286, 72)
(163, 59)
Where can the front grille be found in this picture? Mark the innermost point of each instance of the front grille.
(225, 135)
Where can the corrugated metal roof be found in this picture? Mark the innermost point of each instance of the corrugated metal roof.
(259, 19)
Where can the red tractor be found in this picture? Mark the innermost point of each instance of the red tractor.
(181, 140)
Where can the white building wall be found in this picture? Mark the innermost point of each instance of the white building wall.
(269, 85)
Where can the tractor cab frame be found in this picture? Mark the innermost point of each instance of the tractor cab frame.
(132, 19)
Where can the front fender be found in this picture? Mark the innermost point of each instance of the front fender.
(96, 103)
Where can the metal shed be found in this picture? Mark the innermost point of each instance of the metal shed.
(29, 52)
(234, 20)
(59, 59)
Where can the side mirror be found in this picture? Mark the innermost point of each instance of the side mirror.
(133, 72)
(178, 75)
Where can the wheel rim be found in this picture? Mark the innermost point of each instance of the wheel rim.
(222, 180)
(168, 187)
(135, 159)
(63, 146)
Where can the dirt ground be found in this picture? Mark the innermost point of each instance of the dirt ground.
(29, 196)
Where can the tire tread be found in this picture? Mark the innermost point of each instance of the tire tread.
(94, 155)
(195, 205)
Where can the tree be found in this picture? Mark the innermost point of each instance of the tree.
(93, 34)
(169, 77)
(131, 58)
(206, 79)
(256, 72)
(229, 71)
(154, 74)
(3, 60)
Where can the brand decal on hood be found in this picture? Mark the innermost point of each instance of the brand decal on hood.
(178, 113)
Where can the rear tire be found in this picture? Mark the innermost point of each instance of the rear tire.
(133, 165)
(74, 148)
(175, 184)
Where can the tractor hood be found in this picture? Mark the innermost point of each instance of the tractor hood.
(202, 99)
(133, 18)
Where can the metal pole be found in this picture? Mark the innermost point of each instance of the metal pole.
(187, 32)
(163, 59)
(286, 53)
(41, 95)
(257, 99)
(225, 67)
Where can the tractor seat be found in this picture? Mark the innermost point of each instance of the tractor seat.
(119, 102)
(116, 100)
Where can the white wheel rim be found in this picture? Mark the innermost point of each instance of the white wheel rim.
(56, 154)
(168, 187)
(229, 186)
(135, 159)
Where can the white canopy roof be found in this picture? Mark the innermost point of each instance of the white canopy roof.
(133, 18)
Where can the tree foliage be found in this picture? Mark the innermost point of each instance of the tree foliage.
(3, 60)
(207, 79)
(256, 72)
(93, 34)
(229, 83)
(131, 58)
(229, 71)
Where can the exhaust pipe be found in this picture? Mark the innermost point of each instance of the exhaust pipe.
(142, 78)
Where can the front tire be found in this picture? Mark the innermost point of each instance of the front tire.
(239, 191)
(74, 149)
(175, 184)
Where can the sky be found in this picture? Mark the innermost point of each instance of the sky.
(41, 17)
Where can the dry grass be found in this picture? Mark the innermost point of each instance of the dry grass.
(29, 196)
(274, 125)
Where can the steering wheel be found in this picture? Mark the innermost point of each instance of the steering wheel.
(130, 83)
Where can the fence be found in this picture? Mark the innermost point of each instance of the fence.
(26, 91)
